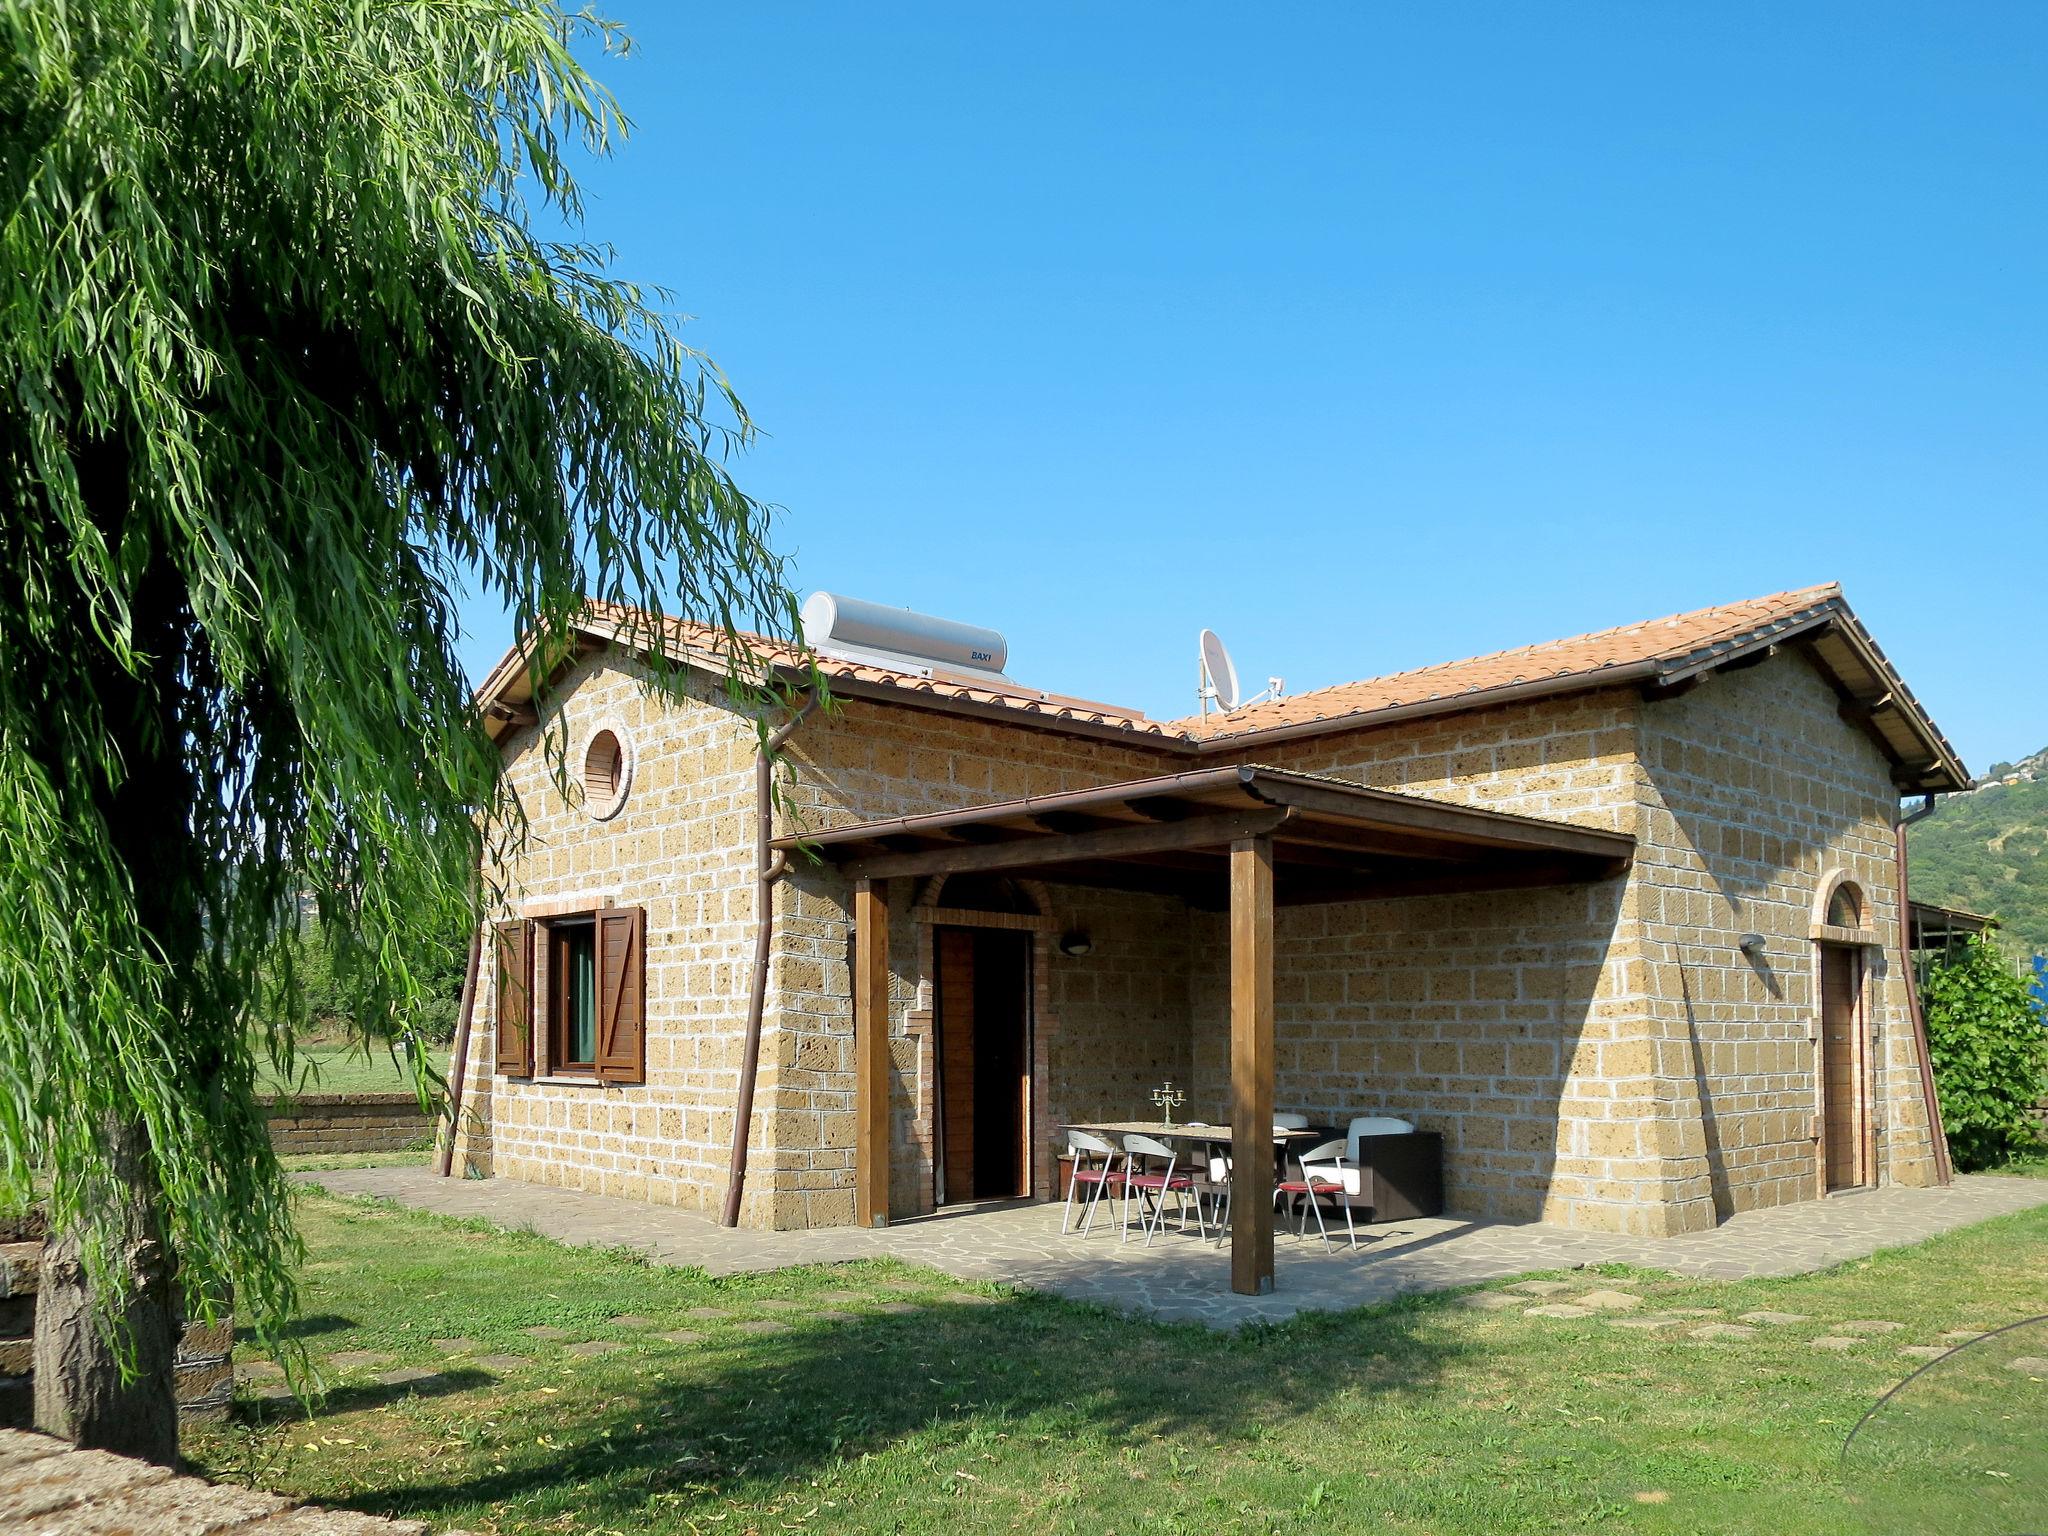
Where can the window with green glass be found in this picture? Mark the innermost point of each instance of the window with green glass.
(573, 971)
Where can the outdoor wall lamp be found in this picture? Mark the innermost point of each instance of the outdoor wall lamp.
(1076, 942)
(1752, 944)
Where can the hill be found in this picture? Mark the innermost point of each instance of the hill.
(1988, 851)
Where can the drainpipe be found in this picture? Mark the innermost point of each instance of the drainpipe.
(460, 1067)
(1944, 1169)
(769, 868)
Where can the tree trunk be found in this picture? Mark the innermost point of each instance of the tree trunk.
(79, 1390)
(84, 1337)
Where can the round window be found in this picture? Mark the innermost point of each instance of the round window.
(607, 774)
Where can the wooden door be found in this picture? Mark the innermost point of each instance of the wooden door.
(1844, 1104)
(984, 1063)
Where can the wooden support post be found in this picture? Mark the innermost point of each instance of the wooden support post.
(1251, 1066)
(871, 1053)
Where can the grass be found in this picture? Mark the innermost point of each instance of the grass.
(308, 1162)
(929, 1405)
(2025, 1162)
(344, 1069)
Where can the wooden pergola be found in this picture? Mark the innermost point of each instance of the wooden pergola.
(1241, 839)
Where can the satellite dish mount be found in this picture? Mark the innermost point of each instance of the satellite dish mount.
(1216, 684)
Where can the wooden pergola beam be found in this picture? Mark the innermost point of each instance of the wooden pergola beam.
(1251, 1065)
(1304, 889)
(1389, 812)
(1376, 843)
(871, 1053)
(1076, 847)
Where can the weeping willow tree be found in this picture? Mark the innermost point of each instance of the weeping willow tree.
(288, 364)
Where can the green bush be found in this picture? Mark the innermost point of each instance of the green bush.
(1988, 1039)
(324, 974)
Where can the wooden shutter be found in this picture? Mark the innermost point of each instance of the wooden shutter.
(622, 995)
(515, 999)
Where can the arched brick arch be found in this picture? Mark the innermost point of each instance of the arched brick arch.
(1835, 880)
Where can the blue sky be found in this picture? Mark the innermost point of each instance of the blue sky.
(1370, 336)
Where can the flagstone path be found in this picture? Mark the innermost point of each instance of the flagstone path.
(1186, 1279)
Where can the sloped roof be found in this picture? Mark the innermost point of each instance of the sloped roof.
(1579, 660)
(1660, 655)
(710, 647)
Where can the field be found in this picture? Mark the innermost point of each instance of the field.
(498, 1382)
(335, 1068)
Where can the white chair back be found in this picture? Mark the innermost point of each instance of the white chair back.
(1145, 1146)
(1290, 1122)
(1330, 1153)
(1088, 1141)
(1374, 1125)
(1324, 1164)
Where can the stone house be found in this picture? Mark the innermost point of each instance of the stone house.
(1617, 915)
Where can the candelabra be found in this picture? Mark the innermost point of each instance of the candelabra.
(1169, 1098)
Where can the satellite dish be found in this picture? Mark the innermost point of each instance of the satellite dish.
(1219, 674)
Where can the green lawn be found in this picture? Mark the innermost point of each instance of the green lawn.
(344, 1069)
(926, 1405)
(2028, 1162)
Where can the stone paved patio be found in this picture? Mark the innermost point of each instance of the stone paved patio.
(1181, 1279)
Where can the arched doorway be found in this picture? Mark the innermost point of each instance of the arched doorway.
(1847, 1150)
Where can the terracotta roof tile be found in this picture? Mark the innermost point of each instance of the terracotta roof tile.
(1666, 649)
(708, 641)
(1653, 644)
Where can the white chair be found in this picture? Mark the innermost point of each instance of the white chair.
(1323, 1172)
(1372, 1125)
(1290, 1122)
(1094, 1165)
(1145, 1180)
(1215, 1158)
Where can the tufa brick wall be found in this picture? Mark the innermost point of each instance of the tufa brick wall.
(1754, 797)
(866, 761)
(1600, 1056)
(681, 847)
(347, 1122)
(1505, 1020)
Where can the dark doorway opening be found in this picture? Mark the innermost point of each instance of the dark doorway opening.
(1845, 1106)
(984, 1063)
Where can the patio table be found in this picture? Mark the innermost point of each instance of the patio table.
(1159, 1130)
(1216, 1135)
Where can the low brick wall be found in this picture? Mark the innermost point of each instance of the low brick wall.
(348, 1122)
